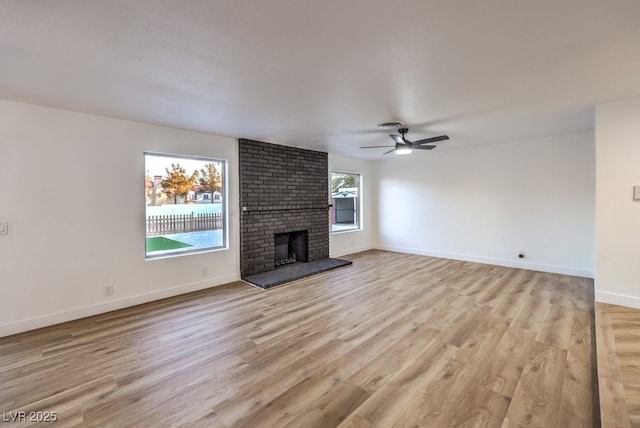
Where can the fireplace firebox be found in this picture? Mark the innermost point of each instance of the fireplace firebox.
(291, 247)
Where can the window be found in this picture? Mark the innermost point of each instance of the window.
(185, 204)
(345, 198)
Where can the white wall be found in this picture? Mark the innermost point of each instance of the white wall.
(344, 243)
(486, 204)
(617, 215)
(72, 191)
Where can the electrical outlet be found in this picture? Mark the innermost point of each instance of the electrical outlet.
(108, 290)
(205, 272)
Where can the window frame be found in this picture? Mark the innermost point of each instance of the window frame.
(224, 209)
(359, 206)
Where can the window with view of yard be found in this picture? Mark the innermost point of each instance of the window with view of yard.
(185, 204)
(345, 201)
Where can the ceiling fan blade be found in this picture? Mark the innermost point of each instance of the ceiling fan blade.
(431, 140)
(390, 151)
(423, 147)
(398, 139)
(374, 147)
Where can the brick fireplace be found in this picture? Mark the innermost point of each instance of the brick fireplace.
(284, 191)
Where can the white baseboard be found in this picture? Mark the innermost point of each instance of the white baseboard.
(492, 261)
(618, 299)
(111, 305)
(352, 250)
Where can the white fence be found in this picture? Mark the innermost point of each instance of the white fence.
(180, 223)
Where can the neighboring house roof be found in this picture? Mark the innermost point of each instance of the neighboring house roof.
(344, 194)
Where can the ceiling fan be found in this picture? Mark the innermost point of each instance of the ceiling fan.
(404, 146)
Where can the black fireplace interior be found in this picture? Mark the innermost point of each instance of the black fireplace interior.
(291, 247)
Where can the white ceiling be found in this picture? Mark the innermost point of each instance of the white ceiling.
(321, 74)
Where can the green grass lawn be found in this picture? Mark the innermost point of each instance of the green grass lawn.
(160, 243)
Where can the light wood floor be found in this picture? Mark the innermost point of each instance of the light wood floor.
(394, 340)
(619, 365)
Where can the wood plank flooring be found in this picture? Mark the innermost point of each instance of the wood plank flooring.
(619, 365)
(394, 340)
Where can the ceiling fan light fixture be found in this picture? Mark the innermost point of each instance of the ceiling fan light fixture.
(403, 150)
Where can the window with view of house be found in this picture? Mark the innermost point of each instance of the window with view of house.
(185, 204)
(345, 201)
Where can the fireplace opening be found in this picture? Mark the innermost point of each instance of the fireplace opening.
(291, 247)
